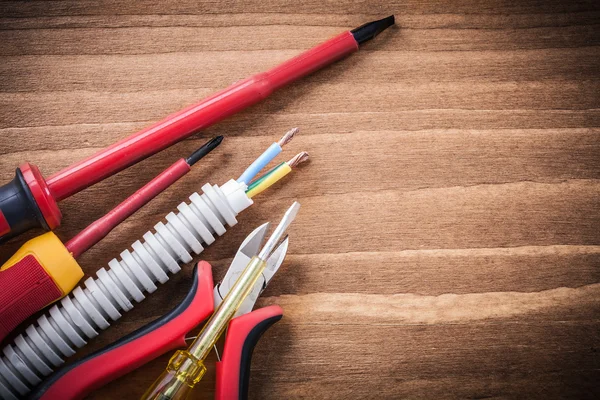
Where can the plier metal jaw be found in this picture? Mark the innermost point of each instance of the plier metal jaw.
(248, 249)
(167, 333)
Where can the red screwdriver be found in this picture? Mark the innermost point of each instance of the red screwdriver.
(44, 269)
(30, 201)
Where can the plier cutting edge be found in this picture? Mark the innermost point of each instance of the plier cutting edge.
(168, 332)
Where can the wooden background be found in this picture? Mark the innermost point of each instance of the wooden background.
(448, 245)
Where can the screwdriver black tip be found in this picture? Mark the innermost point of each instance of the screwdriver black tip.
(369, 30)
(204, 150)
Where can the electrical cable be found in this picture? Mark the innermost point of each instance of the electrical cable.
(266, 157)
(264, 176)
(276, 174)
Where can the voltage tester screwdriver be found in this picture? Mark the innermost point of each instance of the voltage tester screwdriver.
(186, 368)
(44, 269)
(31, 201)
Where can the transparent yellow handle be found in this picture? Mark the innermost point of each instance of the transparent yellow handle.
(178, 380)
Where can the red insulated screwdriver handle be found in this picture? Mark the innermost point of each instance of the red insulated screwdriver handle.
(165, 334)
(194, 118)
(26, 287)
(30, 201)
(41, 272)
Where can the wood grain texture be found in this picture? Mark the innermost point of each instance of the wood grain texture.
(449, 240)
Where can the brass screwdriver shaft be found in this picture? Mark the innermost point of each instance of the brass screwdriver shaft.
(215, 326)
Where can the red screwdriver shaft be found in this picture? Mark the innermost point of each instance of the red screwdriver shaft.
(102, 227)
(199, 116)
(30, 201)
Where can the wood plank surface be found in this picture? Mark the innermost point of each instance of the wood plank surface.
(448, 244)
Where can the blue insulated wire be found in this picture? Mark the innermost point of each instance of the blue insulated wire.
(258, 164)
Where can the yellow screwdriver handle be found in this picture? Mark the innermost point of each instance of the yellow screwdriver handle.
(41, 272)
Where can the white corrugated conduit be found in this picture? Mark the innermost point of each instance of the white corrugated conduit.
(89, 309)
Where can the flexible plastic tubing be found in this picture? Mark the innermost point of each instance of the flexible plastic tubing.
(88, 309)
(261, 162)
(199, 116)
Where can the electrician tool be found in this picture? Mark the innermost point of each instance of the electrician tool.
(168, 333)
(44, 269)
(186, 367)
(30, 201)
(84, 313)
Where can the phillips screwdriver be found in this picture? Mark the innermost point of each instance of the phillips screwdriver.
(44, 269)
(30, 201)
(186, 367)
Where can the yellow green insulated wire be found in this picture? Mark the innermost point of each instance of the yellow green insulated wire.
(275, 174)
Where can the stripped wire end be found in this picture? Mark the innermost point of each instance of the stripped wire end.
(275, 175)
(289, 135)
(298, 159)
(266, 157)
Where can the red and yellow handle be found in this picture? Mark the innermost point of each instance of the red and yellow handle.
(41, 272)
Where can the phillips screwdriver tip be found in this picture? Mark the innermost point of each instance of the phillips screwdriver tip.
(203, 150)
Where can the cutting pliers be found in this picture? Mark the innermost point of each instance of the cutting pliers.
(167, 333)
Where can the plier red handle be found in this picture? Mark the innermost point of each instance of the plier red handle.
(163, 335)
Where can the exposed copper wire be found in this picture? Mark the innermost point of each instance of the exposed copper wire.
(298, 159)
(289, 135)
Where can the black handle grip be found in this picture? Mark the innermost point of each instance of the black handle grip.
(243, 333)
(19, 211)
(247, 350)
